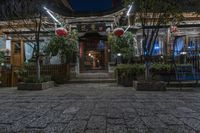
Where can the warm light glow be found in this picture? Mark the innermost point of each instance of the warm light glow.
(119, 54)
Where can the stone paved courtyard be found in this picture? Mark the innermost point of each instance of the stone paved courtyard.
(98, 108)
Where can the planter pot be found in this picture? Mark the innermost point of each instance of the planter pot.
(149, 85)
(127, 82)
(164, 76)
(35, 86)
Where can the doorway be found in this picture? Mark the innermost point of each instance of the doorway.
(93, 54)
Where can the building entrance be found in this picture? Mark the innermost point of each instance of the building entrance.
(93, 54)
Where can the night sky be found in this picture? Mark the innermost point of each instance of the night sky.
(91, 5)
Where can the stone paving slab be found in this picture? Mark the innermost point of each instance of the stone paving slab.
(98, 108)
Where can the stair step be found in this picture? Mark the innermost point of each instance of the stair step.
(183, 84)
(92, 81)
(94, 76)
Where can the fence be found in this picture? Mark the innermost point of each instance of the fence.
(6, 77)
(59, 73)
(51, 70)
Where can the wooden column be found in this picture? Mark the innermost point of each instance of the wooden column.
(106, 55)
(17, 58)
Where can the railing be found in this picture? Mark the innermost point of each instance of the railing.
(6, 78)
(56, 72)
(51, 70)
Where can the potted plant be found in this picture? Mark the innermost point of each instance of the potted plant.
(164, 72)
(126, 73)
(30, 82)
(159, 73)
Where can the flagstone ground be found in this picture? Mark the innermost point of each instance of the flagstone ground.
(98, 108)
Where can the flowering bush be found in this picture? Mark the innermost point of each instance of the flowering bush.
(65, 47)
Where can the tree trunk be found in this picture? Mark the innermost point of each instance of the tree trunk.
(38, 68)
(37, 37)
(147, 69)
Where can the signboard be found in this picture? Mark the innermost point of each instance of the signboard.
(99, 27)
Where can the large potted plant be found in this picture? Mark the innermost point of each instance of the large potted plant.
(160, 73)
(123, 46)
(30, 82)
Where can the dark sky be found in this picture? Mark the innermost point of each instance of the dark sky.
(91, 5)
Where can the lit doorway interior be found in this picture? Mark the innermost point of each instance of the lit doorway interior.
(93, 54)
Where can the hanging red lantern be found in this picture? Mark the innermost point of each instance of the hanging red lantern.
(173, 28)
(118, 32)
(61, 32)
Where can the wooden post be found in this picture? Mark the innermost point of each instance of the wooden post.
(106, 55)
(17, 58)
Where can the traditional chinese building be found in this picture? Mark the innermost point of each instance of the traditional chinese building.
(93, 20)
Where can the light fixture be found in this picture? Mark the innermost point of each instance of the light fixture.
(157, 47)
(119, 54)
(183, 53)
(52, 16)
(129, 10)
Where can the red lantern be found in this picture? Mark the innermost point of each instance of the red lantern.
(118, 32)
(61, 32)
(173, 28)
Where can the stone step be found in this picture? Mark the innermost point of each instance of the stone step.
(94, 76)
(183, 84)
(180, 88)
(92, 81)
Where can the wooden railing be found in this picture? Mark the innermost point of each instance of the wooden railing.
(57, 72)
(50, 70)
(6, 78)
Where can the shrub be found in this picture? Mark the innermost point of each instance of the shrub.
(33, 79)
(163, 72)
(126, 73)
(160, 68)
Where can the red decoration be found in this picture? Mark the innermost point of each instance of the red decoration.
(173, 28)
(118, 32)
(61, 32)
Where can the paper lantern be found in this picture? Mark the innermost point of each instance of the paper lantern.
(173, 28)
(61, 32)
(118, 32)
